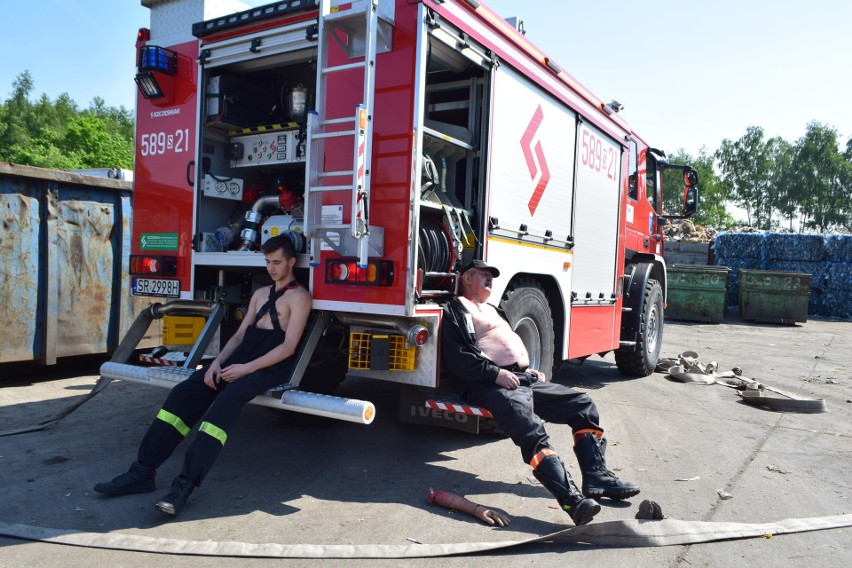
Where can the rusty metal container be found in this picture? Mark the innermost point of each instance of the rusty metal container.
(64, 254)
(774, 297)
(697, 293)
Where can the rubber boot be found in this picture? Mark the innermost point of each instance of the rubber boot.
(175, 500)
(137, 479)
(552, 474)
(598, 481)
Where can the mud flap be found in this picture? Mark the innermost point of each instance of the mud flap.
(634, 298)
(414, 410)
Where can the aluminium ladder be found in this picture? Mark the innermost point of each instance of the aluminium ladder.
(355, 27)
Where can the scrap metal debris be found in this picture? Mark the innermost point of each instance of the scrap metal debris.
(689, 232)
(650, 511)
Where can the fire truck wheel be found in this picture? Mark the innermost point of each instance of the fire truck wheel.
(528, 310)
(640, 361)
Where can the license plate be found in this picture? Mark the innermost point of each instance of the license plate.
(156, 287)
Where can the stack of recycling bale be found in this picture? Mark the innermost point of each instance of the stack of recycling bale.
(798, 253)
(827, 258)
(837, 297)
(737, 251)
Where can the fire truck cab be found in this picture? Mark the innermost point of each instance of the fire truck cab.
(392, 141)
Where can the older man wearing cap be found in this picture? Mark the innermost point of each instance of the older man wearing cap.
(487, 364)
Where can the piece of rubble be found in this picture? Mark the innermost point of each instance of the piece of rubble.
(650, 511)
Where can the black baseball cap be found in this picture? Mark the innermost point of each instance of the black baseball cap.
(482, 266)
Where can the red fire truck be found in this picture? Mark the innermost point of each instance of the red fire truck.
(392, 141)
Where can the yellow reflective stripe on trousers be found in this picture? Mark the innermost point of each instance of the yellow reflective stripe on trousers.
(175, 421)
(214, 431)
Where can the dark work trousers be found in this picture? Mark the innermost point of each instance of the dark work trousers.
(521, 412)
(189, 400)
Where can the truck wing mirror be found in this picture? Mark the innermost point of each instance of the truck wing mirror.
(690, 200)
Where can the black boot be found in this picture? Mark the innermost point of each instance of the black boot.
(598, 481)
(552, 474)
(138, 479)
(175, 500)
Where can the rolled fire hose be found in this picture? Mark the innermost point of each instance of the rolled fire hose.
(686, 369)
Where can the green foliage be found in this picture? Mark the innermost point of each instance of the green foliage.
(59, 135)
(807, 185)
(784, 193)
(822, 175)
(746, 171)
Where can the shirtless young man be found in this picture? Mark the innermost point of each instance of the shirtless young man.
(488, 365)
(255, 359)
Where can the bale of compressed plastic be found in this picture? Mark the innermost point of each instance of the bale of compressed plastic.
(839, 276)
(793, 246)
(827, 258)
(836, 306)
(838, 248)
(817, 270)
(836, 300)
(738, 245)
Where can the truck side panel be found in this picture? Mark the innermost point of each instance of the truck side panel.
(532, 158)
(165, 164)
(597, 217)
(597, 214)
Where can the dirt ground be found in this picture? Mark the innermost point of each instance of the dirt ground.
(697, 450)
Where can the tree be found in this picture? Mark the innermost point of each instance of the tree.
(746, 172)
(17, 112)
(784, 192)
(822, 175)
(97, 144)
(57, 134)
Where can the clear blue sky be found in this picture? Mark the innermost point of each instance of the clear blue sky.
(688, 73)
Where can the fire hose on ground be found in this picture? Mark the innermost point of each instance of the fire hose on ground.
(686, 369)
(626, 533)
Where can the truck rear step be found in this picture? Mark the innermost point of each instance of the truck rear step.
(348, 409)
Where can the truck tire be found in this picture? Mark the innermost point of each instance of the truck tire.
(641, 359)
(528, 311)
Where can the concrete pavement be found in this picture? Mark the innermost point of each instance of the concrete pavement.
(290, 478)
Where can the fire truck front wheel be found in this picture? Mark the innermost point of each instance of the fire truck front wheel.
(640, 361)
(528, 310)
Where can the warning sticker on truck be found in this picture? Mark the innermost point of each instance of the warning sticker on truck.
(158, 241)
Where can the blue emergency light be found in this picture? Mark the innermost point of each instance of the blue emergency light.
(155, 58)
(154, 61)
